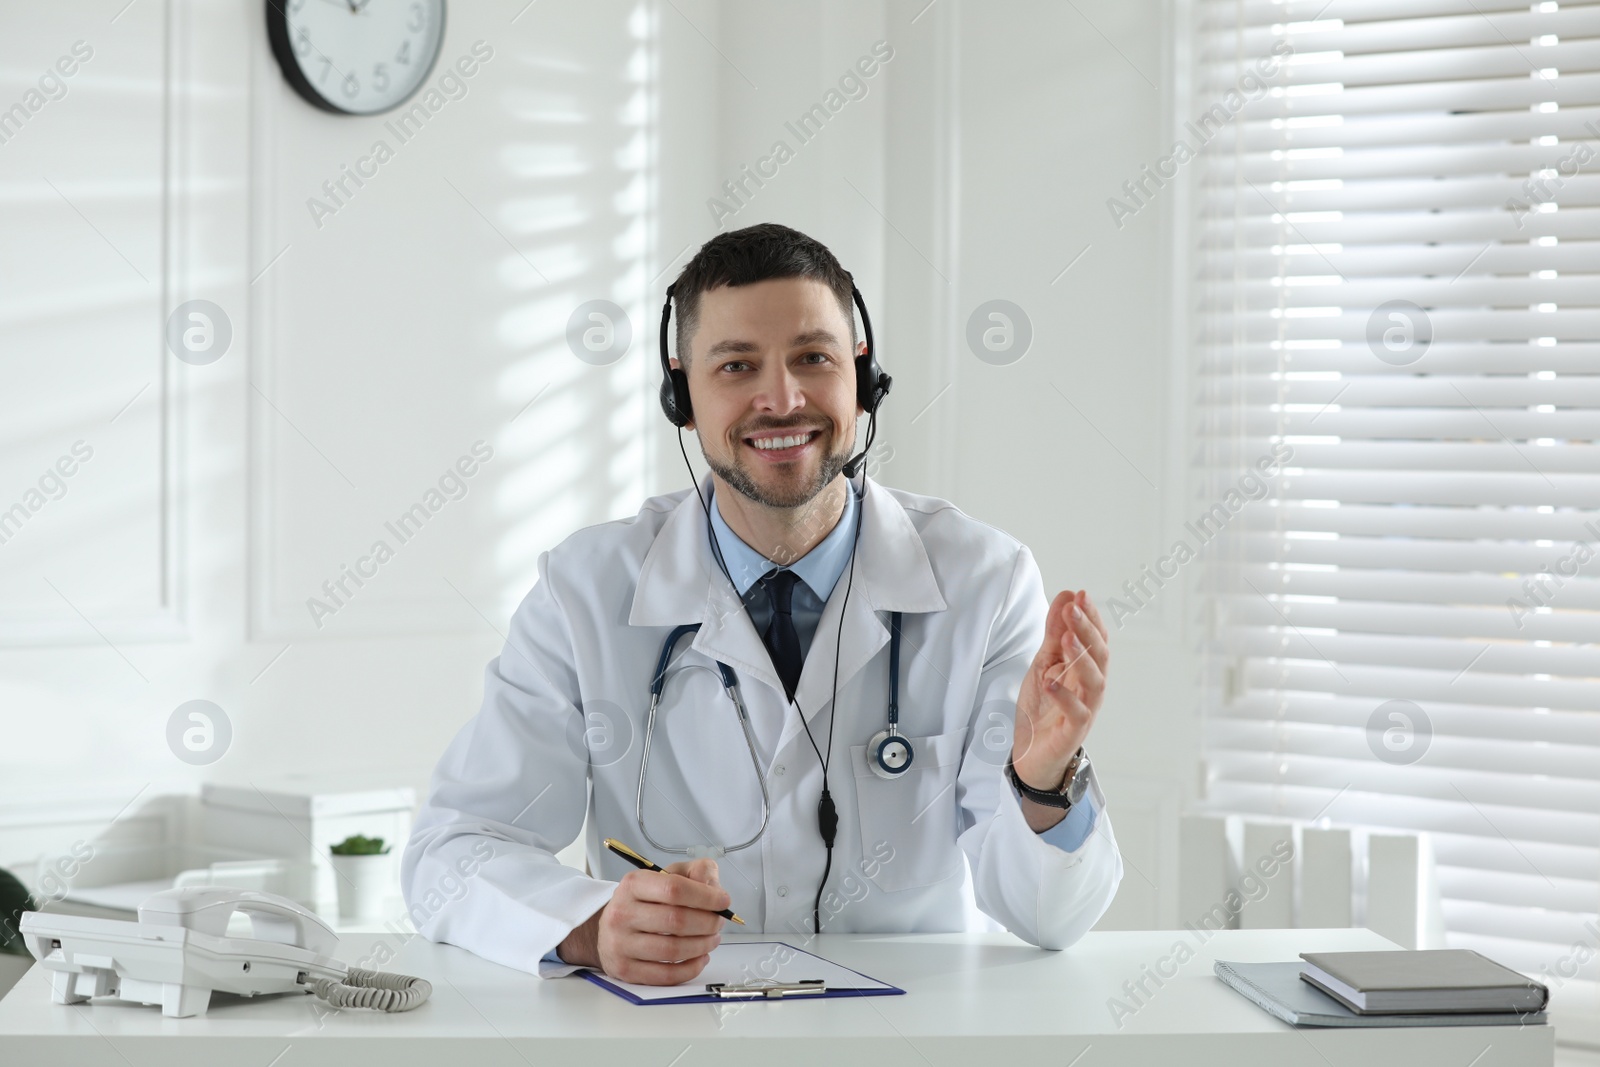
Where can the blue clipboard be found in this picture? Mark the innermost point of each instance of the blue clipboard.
(747, 971)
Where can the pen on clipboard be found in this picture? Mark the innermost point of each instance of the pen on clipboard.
(643, 864)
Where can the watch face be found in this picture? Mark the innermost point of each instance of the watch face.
(358, 57)
(1080, 781)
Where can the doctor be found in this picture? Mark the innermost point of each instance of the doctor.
(832, 698)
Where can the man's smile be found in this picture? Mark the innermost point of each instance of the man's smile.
(778, 446)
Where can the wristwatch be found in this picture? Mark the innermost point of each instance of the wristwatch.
(1068, 793)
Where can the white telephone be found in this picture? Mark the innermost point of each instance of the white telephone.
(179, 951)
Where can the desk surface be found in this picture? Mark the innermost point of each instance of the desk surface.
(970, 999)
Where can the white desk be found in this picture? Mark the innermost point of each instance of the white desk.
(971, 999)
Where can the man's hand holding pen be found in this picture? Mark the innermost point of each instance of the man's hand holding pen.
(658, 928)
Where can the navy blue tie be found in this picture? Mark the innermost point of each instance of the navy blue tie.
(781, 639)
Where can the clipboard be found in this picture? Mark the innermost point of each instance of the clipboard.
(742, 971)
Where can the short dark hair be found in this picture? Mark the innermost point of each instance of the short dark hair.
(755, 254)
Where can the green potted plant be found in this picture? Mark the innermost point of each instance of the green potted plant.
(14, 900)
(363, 869)
(14, 955)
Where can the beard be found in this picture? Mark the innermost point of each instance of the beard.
(739, 478)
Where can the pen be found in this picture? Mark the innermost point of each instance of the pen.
(643, 864)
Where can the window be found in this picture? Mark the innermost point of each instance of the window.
(1397, 231)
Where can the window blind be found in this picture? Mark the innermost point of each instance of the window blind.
(1397, 235)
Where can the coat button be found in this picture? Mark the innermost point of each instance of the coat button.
(783, 890)
(778, 769)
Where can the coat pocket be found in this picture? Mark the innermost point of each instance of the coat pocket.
(909, 823)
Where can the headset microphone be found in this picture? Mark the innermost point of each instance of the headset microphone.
(854, 464)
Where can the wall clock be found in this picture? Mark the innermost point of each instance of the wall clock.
(355, 57)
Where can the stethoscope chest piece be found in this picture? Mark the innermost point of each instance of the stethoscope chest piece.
(889, 755)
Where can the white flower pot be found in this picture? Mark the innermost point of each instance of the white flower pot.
(364, 883)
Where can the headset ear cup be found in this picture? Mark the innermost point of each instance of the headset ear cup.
(872, 385)
(675, 398)
(680, 388)
(674, 382)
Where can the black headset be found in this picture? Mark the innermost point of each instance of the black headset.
(872, 385)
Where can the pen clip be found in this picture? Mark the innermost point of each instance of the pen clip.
(765, 990)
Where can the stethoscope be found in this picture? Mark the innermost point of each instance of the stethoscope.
(889, 755)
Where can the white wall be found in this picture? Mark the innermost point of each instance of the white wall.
(369, 353)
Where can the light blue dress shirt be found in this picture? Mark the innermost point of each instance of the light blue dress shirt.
(819, 571)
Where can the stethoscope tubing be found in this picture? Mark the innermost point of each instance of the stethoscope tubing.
(730, 684)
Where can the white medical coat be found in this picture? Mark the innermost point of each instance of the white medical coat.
(560, 735)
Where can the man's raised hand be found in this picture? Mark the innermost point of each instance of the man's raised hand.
(1061, 692)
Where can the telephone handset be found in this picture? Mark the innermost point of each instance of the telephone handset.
(272, 918)
(178, 952)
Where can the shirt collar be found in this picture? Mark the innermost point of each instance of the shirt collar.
(820, 568)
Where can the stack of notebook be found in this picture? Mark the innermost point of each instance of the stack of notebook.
(1445, 987)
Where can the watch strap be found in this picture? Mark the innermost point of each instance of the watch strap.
(1058, 798)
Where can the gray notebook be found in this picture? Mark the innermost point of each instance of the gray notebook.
(1431, 980)
(1277, 988)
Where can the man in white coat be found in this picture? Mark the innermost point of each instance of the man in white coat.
(997, 688)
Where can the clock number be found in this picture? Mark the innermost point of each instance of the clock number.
(335, 75)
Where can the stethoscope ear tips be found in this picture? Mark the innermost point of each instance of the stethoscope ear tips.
(889, 755)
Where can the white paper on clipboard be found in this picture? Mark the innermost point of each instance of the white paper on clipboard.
(742, 962)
